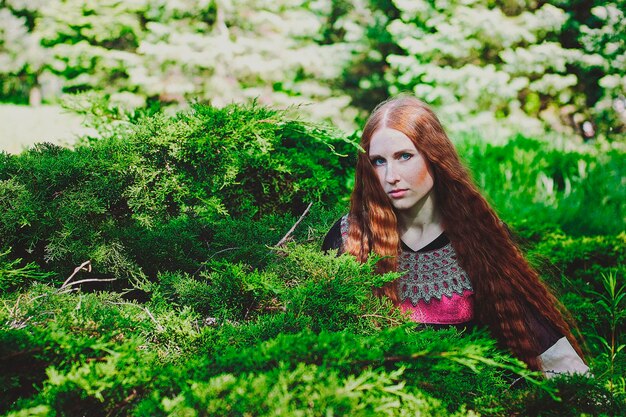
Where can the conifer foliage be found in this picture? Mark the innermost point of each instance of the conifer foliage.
(140, 275)
(170, 191)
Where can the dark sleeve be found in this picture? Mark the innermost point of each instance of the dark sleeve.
(544, 333)
(333, 238)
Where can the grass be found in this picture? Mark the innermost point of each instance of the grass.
(23, 126)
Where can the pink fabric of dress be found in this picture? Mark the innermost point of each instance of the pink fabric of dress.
(455, 310)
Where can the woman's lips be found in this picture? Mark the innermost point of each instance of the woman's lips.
(398, 193)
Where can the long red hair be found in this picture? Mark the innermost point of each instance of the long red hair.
(502, 279)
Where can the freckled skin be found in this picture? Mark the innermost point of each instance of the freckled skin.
(402, 171)
(423, 174)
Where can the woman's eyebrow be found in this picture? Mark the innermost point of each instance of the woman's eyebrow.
(396, 153)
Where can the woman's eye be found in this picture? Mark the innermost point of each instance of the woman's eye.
(378, 161)
(406, 156)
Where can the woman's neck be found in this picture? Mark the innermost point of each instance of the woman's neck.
(421, 224)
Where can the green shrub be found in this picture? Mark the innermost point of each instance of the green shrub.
(580, 258)
(209, 316)
(541, 186)
(167, 193)
(97, 350)
(14, 276)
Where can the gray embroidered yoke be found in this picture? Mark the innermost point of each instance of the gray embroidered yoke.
(431, 274)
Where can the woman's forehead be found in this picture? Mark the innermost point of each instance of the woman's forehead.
(389, 141)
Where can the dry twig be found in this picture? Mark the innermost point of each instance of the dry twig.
(284, 239)
(85, 266)
(17, 321)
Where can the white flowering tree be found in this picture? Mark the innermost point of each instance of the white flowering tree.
(244, 50)
(22, 56)
(513, 64)
(508, 65)
(603, 35)
(220, 51)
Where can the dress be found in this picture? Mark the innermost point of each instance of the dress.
(437, 292)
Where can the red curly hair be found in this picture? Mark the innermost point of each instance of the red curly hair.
(502, 279)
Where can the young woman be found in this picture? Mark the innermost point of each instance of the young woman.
(415, 204)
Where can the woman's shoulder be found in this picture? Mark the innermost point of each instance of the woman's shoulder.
(335, 237)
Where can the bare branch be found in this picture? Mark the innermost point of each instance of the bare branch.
(17, 320)
(89, 280)
(224, 250)
(85, 266)
(284, 239)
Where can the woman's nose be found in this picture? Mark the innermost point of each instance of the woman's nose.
(390, 174)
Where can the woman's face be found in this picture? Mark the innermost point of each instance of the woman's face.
(402, 171)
